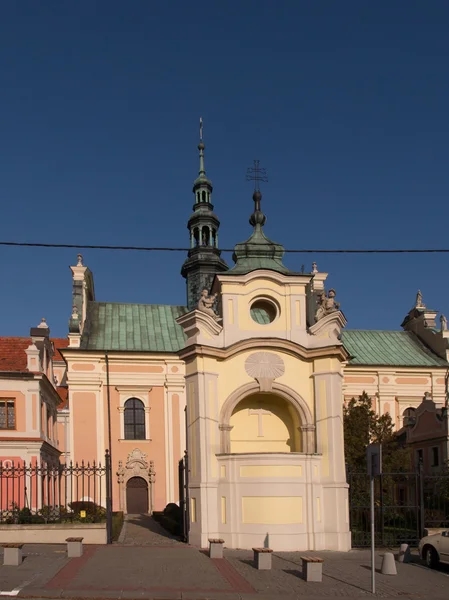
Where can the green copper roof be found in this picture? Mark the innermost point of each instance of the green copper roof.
(153, 328)
(258, 252)
(392, 348)
(133, 327)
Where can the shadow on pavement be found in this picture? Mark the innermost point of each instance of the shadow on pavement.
(147, 522)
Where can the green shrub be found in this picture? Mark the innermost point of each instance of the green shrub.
(94, 513)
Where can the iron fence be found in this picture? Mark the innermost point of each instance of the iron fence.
(405, 505)
(33, 493)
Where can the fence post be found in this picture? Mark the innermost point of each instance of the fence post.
(108, 497)
(182, 502)
(382, 521)
(186, 496)
(421, 498)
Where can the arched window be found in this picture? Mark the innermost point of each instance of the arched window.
(409, 416)
(134, 419)
(203, 196)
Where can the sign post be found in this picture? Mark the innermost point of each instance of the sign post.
(374, 463)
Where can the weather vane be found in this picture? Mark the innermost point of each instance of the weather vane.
(201, 129)
(256, 174)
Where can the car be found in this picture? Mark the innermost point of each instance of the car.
(434, 549)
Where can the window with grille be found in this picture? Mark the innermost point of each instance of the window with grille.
(134, 419)
(7, 414)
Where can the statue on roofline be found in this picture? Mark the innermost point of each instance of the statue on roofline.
(206, 302)
(326, 304)
(419, 302)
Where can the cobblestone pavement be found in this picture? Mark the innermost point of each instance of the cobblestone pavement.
(143, 530)
(41, 563)
(178, 571)
(344, 575)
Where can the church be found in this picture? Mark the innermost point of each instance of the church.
(248, 378)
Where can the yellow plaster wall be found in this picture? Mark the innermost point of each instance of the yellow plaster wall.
(232, 374)
(271, 471)
(275, 433)
(272, 510)
(239, 311)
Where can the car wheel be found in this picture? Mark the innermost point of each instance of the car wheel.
(431, 557)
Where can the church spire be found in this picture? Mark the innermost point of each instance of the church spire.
(258, 252)
(203, 260)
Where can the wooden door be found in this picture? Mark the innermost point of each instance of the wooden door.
(136, 496)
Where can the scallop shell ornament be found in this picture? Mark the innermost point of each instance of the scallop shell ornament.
(264, 367)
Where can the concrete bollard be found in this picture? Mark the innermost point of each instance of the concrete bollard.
(404, 555)
(262, 558)
(74, 547)
(12, 555)
(216, 548)
(388, 564)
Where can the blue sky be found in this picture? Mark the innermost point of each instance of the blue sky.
(345, 104)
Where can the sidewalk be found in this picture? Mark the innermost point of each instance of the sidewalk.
(183, 572)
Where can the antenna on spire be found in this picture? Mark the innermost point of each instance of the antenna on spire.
(256, 174)
(201, 129)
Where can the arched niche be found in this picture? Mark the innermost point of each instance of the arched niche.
(292, 420)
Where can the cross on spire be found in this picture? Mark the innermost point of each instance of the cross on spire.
(256, 174)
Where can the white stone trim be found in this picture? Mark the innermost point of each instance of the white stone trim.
(126, 393)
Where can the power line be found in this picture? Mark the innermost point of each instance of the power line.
(292, 251)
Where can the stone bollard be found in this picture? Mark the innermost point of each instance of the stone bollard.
(404, 555)
(74, 547)
(262, 558)
(12, 555)
(388, 564)
(216, 548)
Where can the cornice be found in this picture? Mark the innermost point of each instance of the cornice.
(266, 344)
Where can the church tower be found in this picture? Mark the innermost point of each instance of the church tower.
(203, 261)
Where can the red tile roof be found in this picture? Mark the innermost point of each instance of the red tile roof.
(12, 353)
(58, 344)
(64, 395)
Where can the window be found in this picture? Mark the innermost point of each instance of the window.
(134, 419)
(7, 414)
(263, 311)
(435, 457)
(409, 415)
(419, 456)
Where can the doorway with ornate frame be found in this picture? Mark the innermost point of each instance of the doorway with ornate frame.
(136, 479)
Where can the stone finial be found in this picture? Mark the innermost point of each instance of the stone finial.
(443, 322)
(43, 324)
(418, 302)
(314, 267)
(80, 260)
(326, 304)
(205, 304)
(75, 314)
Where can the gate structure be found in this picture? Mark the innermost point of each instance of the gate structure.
(183, 474)
(405, 505)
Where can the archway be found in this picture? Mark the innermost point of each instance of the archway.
(136, 496)
(298, 409)
(264, 422)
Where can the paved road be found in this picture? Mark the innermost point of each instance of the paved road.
(173, 570)
(143, 530)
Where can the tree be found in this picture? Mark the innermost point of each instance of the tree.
(363, 426)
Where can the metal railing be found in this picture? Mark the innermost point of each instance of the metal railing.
(405, 505)
(32, 493)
